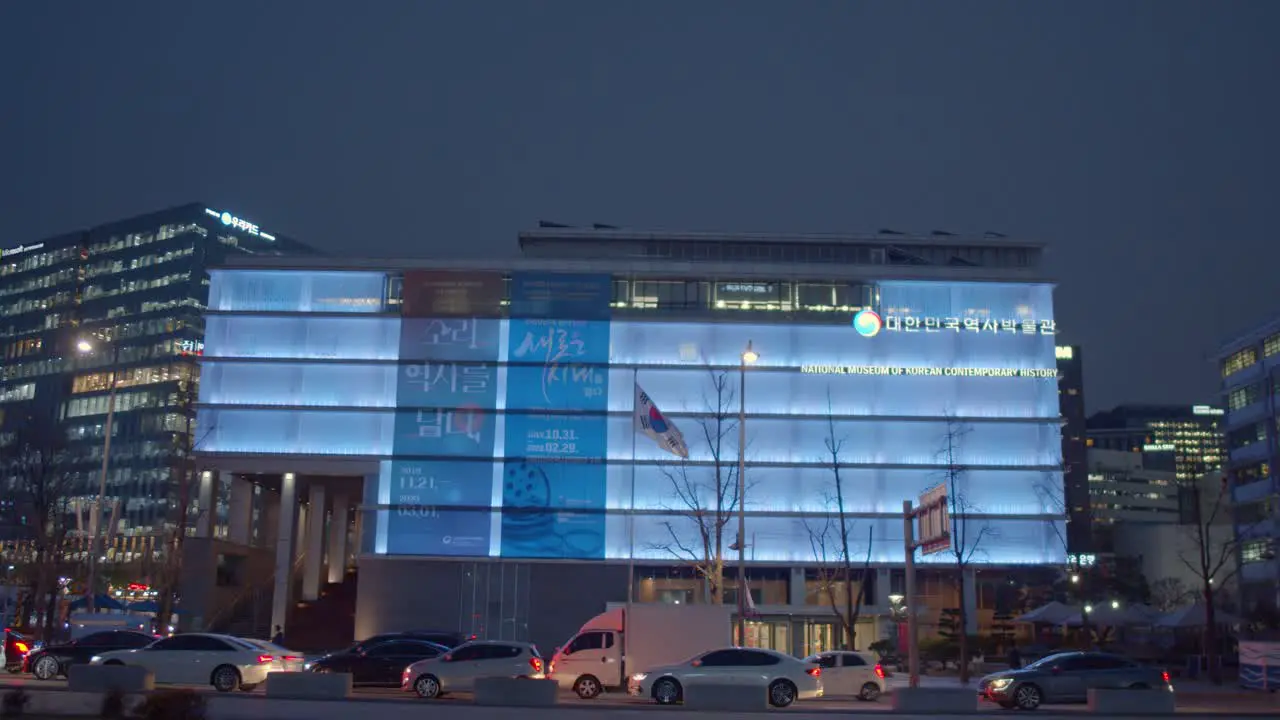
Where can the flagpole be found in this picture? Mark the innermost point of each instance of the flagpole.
(631, 522)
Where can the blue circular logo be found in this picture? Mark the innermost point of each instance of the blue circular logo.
(226, 218)
(867, 323)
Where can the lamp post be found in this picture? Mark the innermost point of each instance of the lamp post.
(85, 347)
(749, 356)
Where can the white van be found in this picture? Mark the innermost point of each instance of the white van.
(593, 660)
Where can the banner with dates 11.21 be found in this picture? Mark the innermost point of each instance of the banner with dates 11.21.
(554, 478)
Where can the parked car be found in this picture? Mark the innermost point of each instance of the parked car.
(447, 639)
(458, 670)
(785, 678)
(16, 647)
(1067, 678)
(282, 659)
(225, 662)
(380, 664)
(850, 673)
(53, 661)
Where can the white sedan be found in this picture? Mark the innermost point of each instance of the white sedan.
(785, 678)
(225, 662)
(282, 659)
(458, 670)
(850, 673)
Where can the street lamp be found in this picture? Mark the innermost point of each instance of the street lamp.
(1075, 578)
(896, 599)
(85, 347)
(749, 356)
(1088, 609)
(1115, 604)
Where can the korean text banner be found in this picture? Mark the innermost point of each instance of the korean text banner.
(554, 484)
(439, 507)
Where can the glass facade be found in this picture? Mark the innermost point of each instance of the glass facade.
(499, 406)
(118, 304)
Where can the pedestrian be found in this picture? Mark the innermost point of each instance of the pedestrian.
(1015, 657)
(278, 638)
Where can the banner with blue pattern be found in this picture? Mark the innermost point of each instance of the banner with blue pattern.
(441, 507)
(554, 479)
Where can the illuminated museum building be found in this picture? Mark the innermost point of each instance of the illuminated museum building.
(134, 290)
(480, 412)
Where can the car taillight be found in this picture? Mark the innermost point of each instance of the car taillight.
(814, 671)
(536, 664)
(264, 659)
(551, 668)
(291, 658)
(21, 647)
(879, 671)
(1164, 674)
(448, 658)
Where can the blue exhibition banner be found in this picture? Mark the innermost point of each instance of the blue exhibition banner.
(447, 384)
(449, 339)
(437, 432)
(555, 476)
(562, 365)
(439, 507)
(561, 296)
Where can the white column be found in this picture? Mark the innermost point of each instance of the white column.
(970, 602)
(338, 539)
(239, 510)
(205, 518)
(313, 560)
(284, 550)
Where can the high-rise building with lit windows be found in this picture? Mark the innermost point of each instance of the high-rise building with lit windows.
(1075, 469)
(123, 301)
(1193, 433)
(1250, 370)
(481, 415)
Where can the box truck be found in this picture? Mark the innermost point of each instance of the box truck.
(618, 643)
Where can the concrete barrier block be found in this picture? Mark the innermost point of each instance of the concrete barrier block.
(105, 678)
(309, 686)
(935, 700)
(732, 698)
(516, 692)
(1132, 702)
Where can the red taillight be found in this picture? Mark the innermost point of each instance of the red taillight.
(1164, 674)
(879, 671)
(264, 659)
(21, 647)
(536, 664)
(551, 667)
(814, 671)
(291, 658)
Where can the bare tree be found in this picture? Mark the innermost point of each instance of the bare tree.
(1210, 552)
(830, 542)
(1168, 594)
(705, 502)
(41, 489)
(966, 540)
(1052, 494)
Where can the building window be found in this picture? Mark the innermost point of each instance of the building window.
(1252, 473)
(1258, 551)
(1247, 435)
(1239, 361)
(1242, 397)
(1271, 345)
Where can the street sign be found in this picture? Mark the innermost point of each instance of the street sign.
(934, 534)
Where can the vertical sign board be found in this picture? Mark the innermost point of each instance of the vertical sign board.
(446, 394)
(557, 425)
(934, 534)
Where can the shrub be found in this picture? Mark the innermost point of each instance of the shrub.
(173, 705)
(15, 703)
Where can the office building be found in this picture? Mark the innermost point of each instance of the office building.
(480, 413)
(1128, 488)
(1075, 461)
(1248, 367)
(1193, 433)
(116, 304)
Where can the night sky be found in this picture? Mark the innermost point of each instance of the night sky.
(1138, 139)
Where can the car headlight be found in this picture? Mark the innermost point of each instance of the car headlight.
(639, 677)
(306, 666)
(95, 659)
(1001, 683)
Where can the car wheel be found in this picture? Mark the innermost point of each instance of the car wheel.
(225, 678)
(46, 668)
(1027, 697)
(667, 691)
(427, 687)
(870, 692)
(587, 687)
(782, 693)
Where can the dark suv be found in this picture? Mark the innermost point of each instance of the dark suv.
(449, 640)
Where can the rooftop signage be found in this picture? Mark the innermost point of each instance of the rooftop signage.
(870, 323)
(238, 223)
(20, 249)
(1206, 410)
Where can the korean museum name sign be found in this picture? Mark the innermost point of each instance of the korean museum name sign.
(1050, 373)
(869, 323)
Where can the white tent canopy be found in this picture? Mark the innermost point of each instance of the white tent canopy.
(1123, 616)
(1051, 613)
